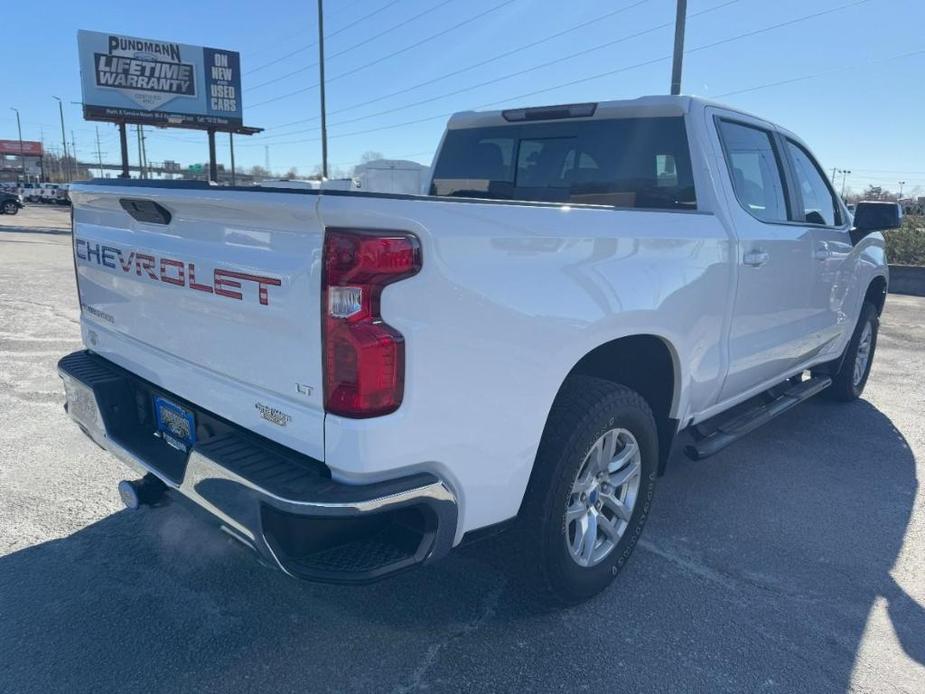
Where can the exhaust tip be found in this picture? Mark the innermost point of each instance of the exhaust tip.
(144, 492)
(129, 495)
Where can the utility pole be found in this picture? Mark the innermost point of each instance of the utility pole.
(64, 163)
(99, 154)
(22, 152)
(834, 169)
(42, 179)
(324, 121)
(141, 163)
(901, 184)
(144, 152)
(74, 154)
(680, 19)
(266, 158)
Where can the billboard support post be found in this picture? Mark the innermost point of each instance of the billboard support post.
(231, 147)
(123, 143)
(213, 166)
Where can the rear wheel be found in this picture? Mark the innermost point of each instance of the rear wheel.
(849, 381)
(591, 489)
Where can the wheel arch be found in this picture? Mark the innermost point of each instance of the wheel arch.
(876, 293)
(647, 363)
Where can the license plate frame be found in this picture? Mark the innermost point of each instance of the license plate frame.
(176, 424)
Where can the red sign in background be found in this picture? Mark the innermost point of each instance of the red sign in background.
(29, 148)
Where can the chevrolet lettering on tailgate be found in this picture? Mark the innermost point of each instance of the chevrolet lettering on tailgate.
(225, 282)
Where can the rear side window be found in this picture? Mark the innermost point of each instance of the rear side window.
(755, 170)
(631, 162)
(819, 206)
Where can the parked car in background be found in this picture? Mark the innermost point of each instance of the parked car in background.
(47, 192)
(32, 192)
(54, 194)
(10, 203)
(353, 383)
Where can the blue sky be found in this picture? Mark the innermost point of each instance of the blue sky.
(861, 111)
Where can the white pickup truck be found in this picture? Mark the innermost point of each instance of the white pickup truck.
(354, 383)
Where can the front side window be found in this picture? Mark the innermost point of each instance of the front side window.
(819, 206)
(755, 171)
(629, 162)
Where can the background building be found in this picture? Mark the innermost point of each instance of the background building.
(11, 168)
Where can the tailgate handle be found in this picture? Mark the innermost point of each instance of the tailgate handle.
(146, 210)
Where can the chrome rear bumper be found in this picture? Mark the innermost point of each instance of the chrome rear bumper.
(282, 504)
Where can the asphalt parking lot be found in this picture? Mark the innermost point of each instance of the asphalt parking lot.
(794, 561)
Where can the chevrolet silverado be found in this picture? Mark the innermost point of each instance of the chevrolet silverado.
(352, 384)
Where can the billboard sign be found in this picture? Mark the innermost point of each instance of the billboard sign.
(148, 81)
(29, 148)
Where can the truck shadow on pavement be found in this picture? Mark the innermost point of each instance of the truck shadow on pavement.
(762, 565)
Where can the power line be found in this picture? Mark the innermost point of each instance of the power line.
(607, 73)
(814, 75)
(473, 66)
(517, 73)
(390, 55)
(891, 171)
(332, 34)
(335, 12)
(353, 47)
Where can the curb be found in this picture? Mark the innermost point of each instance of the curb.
(907, 279)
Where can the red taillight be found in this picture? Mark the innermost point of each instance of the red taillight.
(364, 358)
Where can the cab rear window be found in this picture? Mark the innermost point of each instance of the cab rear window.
(629, 162)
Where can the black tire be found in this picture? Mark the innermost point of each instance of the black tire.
(845, 387)
(585, 409)
(10, 207)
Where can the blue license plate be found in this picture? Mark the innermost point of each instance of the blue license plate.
(175, 424)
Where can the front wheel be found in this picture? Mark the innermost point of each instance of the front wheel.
(849, 381)
(591, 490)
(10, 207)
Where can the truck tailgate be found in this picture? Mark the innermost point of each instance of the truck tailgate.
(211, 294)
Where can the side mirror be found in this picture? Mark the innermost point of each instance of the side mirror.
(870, 216)
(876, 216)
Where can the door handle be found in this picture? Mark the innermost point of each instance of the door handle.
(756, 258)
(822, 254)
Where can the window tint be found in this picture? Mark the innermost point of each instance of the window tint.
(631, 162)
(819, 206)
(755, 171)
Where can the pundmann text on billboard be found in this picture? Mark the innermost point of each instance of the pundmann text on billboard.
(124, 78)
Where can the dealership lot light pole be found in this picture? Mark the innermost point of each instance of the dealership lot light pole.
(22, 152)
(65, 166)
(844, 176)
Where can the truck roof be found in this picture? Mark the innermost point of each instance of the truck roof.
(655, 105)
